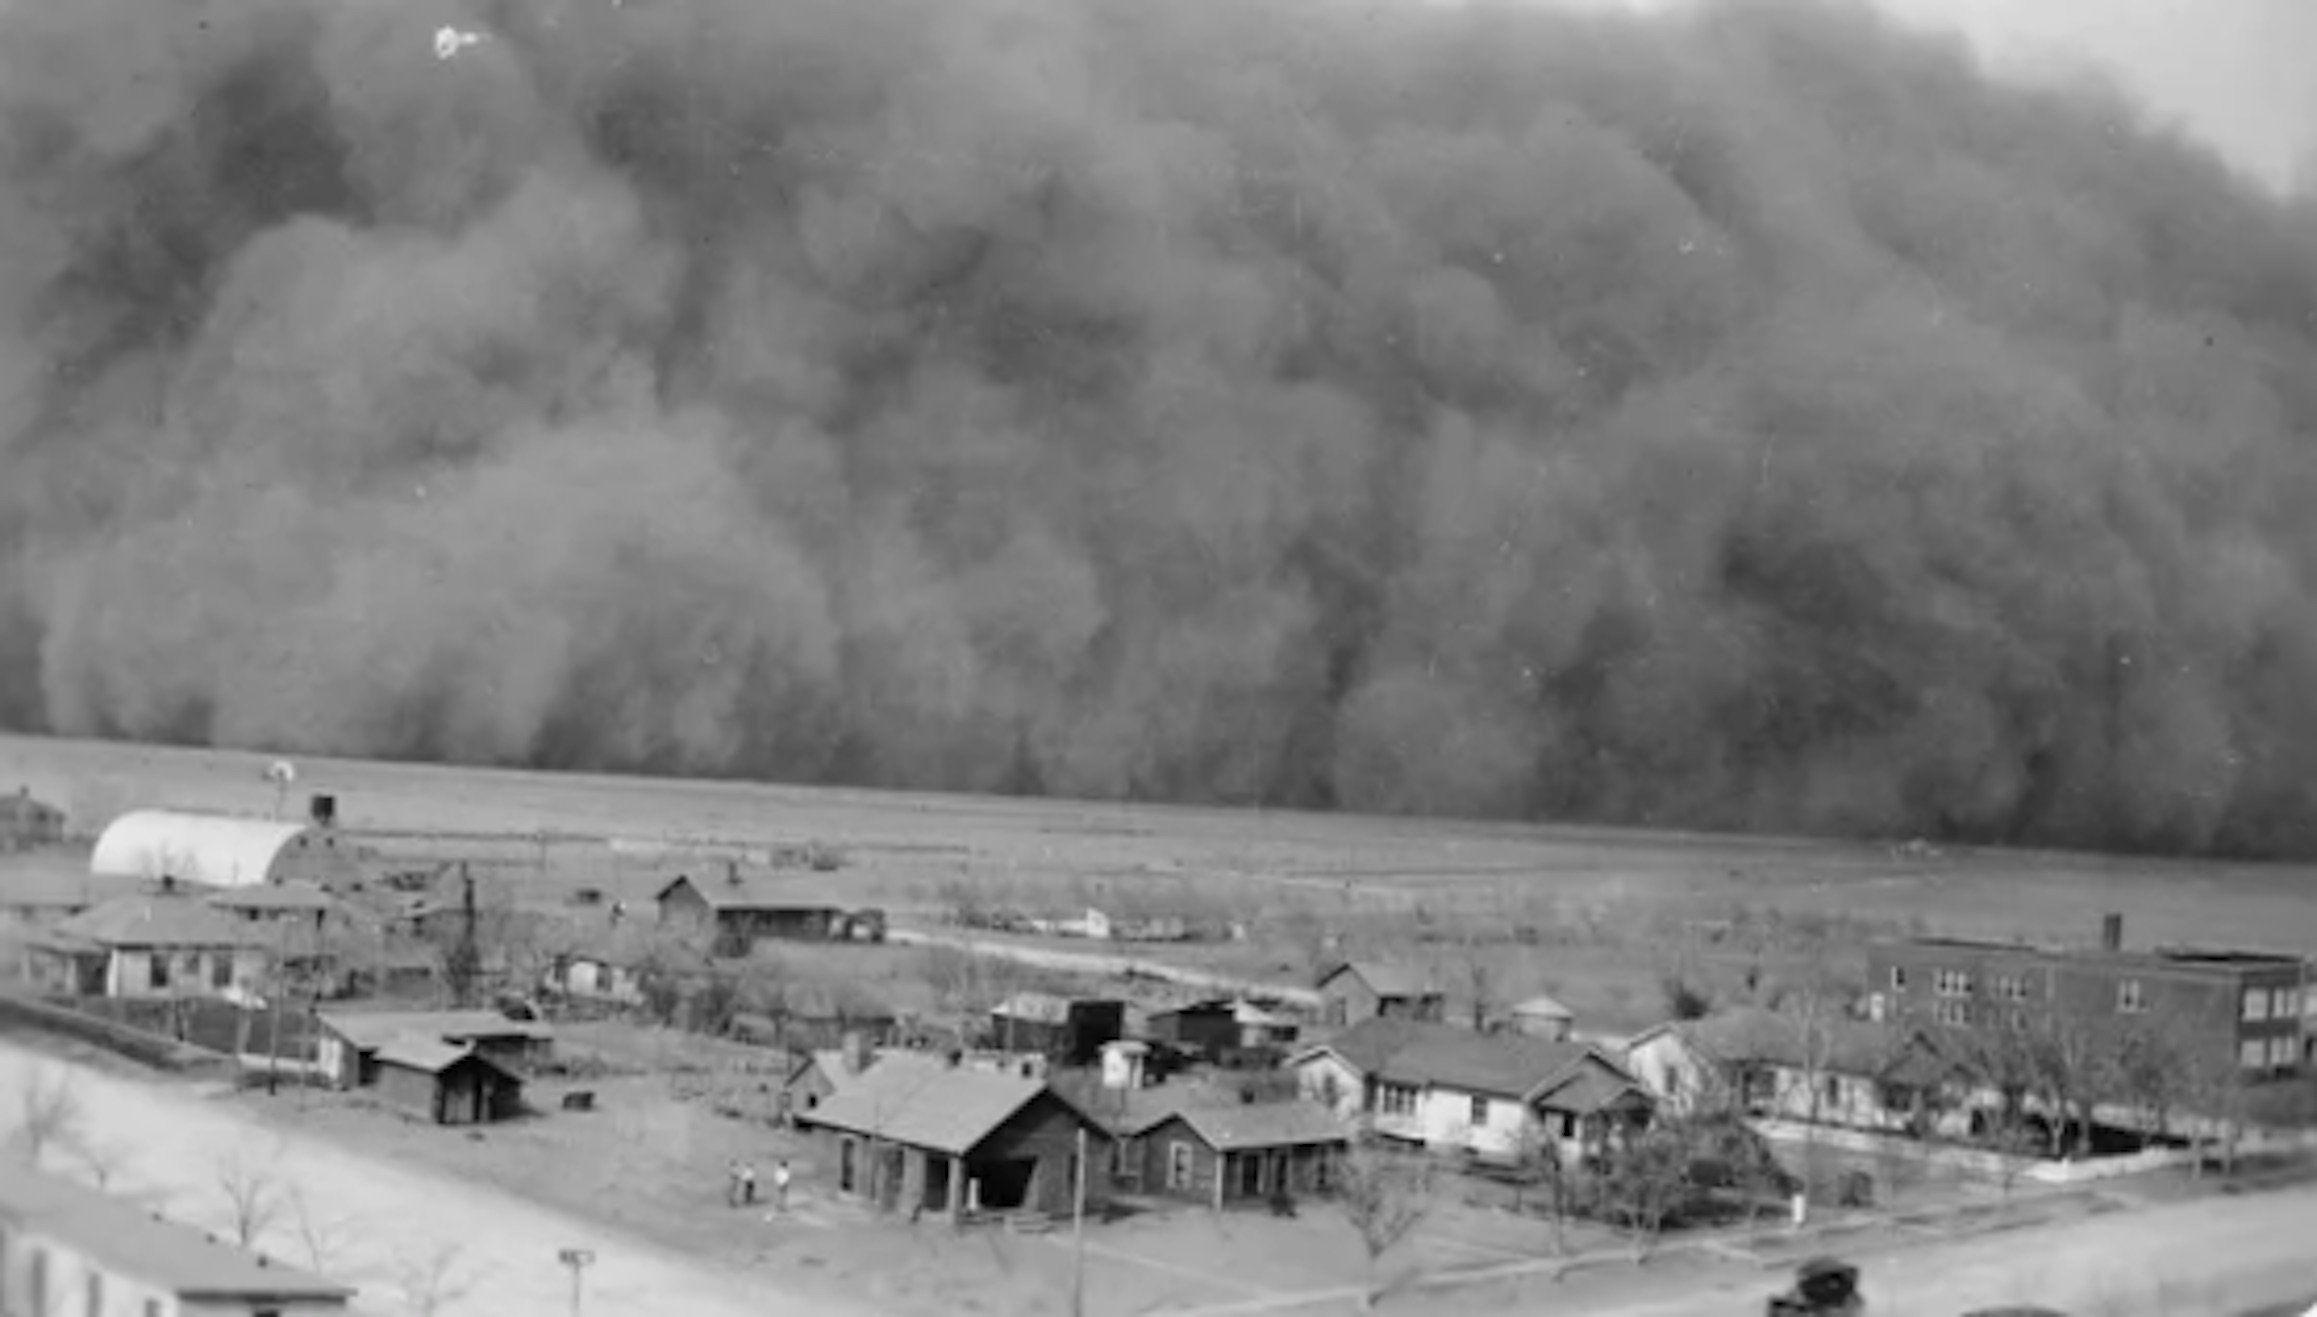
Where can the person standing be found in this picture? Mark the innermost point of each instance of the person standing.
(747, 1184)
(780, 1179)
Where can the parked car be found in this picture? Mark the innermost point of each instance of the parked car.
(1823, 1287)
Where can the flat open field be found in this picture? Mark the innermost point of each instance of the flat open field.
(911, 850)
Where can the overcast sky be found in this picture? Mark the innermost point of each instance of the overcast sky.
(2235, 72)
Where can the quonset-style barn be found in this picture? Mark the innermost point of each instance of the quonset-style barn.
(217, 850)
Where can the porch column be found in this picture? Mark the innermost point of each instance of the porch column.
(956, 1187)
(1222, 1175)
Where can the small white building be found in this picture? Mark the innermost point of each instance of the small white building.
(1492, 1096)
(1125, 1063)
(1542, 1017)
(67, 1248)
(166, 944)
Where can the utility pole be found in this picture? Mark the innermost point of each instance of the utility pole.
(275, 1004)
(1078, 1234)
(576, 1260)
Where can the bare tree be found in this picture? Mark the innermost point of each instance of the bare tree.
(323, 1238)
(100, 1159)
(1385, 1195)
(1646, 1183)
(432, 1283)
(49, 1117)
(252, 1193)
(1537, 1162)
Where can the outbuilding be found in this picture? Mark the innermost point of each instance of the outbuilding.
(352, 1041)
(28, 824)
(445, 1083)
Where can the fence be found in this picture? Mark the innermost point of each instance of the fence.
(211, 1024)
(34, 1015)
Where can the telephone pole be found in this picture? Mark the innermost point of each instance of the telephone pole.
(1078, 1234)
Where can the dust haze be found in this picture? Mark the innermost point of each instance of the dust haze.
(1749, 418)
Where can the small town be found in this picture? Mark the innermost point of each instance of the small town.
(1387, 1129)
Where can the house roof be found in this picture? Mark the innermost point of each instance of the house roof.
(937, 1108)
(1264, 1125)
(216, 849)
(289, 897)
(1836, 1043)
(742, 891)
(1592, 1088)
(1385, 980)
(372, 1030)
(432, 1055)
(1442, 1055)
(1037, 1007)
(1241, 1011)
(1543, 1008)
(25, 807)
(168, 1256)
(157, 920)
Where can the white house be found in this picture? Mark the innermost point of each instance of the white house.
(163, 945)
(1492, 1096)
(1832, 1070)
(66, 1248)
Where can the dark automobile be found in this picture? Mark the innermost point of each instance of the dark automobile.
(1823, 1287)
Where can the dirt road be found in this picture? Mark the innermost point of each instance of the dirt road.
(392, 1228)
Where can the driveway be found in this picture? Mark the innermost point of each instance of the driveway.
(391, 1229)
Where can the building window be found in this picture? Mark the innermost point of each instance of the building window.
(2256, 1003)
(1834, 1090)
(1898, 978)
(2012, 987)
(1178, 1166)
(2254, 1054)
(1480, 1113)
(2281, 1053)
(1953, 1013)
(2129, 998)
(1952, 983)
(2287, 1004)
(1395, 1100)
(221, 970)
(157, 973)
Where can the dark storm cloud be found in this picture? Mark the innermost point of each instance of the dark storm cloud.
(1751, 419)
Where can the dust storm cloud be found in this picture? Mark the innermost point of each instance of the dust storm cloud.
(1742, 419)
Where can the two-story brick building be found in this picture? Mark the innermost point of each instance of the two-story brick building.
(2243, 1005)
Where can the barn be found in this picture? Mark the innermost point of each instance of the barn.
(221, 850)
(27, 824)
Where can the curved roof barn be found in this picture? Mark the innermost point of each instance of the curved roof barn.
(215, 850)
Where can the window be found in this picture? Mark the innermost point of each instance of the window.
(2012, 987)
(1480, 1113)
(2287, 1004)
(1952, 983)
(157, 973)
(1953, 1013)
(1834, 1090)
(2254, 1054)
(2016, 1019)
(2281, 1053)
(2129, 998)
(2256, 1003)
(1568, 1126)
(1178, 1166)
(1395, 1100)
(221, 969)
(1898, 978)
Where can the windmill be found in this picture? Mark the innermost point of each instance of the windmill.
(283, 774)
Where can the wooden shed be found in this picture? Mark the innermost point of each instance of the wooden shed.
(445, 1083)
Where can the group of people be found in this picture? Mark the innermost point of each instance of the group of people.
(740, 1184)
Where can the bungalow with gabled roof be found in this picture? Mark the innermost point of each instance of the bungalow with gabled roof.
(1492, 1096)
(1830, 1070)
(1358, 990)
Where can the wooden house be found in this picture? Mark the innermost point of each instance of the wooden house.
(445, 1083)
(1353, 992)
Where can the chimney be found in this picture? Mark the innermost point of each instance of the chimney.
(856, 1051)
(2112, 932)
(732, 872)
(323, 811)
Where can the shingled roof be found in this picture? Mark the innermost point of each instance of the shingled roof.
(1753, 1035)
(1426, 1054)
(173, 1258)
(1264, 1125)
(760, 891)
(937, 1108)
(1385, 980)
(168, 921)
